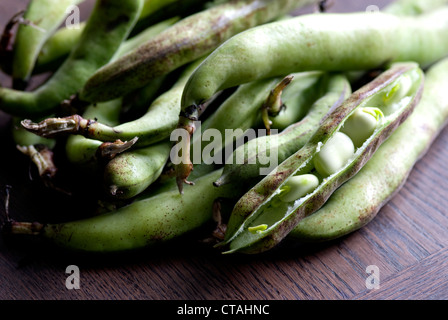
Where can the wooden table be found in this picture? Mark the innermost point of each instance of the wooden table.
(407, 242)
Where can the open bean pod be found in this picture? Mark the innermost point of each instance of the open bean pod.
(303, 183)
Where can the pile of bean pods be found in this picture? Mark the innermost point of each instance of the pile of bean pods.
(142, 89)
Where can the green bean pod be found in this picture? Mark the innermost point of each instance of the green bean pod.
(311, 42)
(359, 200)
(154, 126)
(144, 223)
(82, 151)
(59, 45)
(132, 172)
(288, 141)
(395, 93)
(191, 38)
(107, 27)
(43, 18)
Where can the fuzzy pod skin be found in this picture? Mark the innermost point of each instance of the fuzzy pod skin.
(358, 201)
(131, 172)
(108, 26)
(188, 40)
(143, 223)
(45, 16)
(254, 205)
(337, 88)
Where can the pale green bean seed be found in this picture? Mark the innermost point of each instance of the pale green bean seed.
(298, 186)
(334, 154)
(361, 124)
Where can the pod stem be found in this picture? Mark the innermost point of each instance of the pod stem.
(54, 127)
(42, 157)
(218, 234)
(19, 228)
(23, 228)
(273, 104)
(187, 119)
(109, 150)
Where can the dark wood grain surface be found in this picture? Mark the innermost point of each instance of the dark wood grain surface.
(407, 242)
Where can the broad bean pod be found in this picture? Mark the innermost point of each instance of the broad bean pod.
(311, 42)
(273, 207)
(83, 151)
(130, 173)
(108, 26)
(240, 111)
(144, 223)
(287, 142)
(191, 38)
(359, 200)
(154, 126)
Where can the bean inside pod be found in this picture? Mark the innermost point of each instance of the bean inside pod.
(302, 183)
